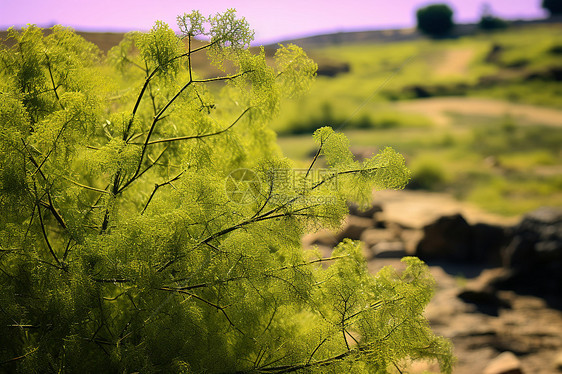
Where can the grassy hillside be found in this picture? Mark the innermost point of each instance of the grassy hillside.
(478, 116)
(522, 65)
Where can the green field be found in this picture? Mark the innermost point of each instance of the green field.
(479, 116)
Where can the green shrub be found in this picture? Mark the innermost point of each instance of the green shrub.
(488, 23)
(427, 175)
(151, 225)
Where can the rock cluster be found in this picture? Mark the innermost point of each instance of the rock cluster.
(499, 288)
(530, 252)
(534, 253)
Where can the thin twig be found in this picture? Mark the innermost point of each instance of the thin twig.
(87, 187)
(20, 357)
(217, 307)
(168, 140)
(53, 81)
(47, 239)
(157, 186)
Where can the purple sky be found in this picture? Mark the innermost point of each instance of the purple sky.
(271, 20)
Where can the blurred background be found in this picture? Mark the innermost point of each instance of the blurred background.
(470, 93)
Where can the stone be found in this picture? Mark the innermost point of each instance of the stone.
(558, 361)
(448, 238)
(411, 239)
(485, 298)
(487, 243)
(389, 250)
(321, 238)
(368, 212)
(504, 363)
(353, 228)
(535, 251)
(373, 236)
(394, 228)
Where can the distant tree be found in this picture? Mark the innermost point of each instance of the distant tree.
(490, 22)
(553, 6)
(435, 20)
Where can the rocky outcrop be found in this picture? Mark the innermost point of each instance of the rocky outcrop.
(365, 212)
(557, 364)
(480, 269)
(451, 238)
(447, 238)
(530, 252)
(534, 253)
(504, 363)
(354, 227)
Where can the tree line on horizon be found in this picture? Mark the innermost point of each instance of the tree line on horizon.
(436, 20)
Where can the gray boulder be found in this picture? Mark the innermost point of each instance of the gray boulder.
(449, 238)
(534, 253)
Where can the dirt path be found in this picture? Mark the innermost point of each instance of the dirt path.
(418, 208)
(439, 109)
(455, 62)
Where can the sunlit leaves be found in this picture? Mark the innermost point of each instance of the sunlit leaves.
(335, 147)
(160, 47)
(121, 247)
(192, 24)
(229, 31)
(295, 69)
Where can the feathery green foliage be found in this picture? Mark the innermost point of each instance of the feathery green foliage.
(121, 247)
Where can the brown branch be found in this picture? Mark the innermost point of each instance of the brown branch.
(49, 205)
(114, 190)
(315, 158)
(217, 307)
(321, 363)
(47, 239)
(153, 126)
(53, 81)
(138, 174)
(189, 58)
(372, 306)
(157, 186)
(87, 187)
(269, 195)
(52, 148)
(223, 78)
(199, 136)
(20, 357)
(142, 173)
(111, 280)
(316, 349)
(267, 273)
(152, 74)
(263, 217)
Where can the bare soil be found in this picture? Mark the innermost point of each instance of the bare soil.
(439, 110)
(455, 62)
